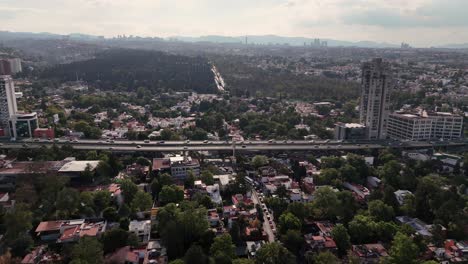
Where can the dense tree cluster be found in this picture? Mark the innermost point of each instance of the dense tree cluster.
(126, 70)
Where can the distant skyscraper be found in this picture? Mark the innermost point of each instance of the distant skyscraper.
(375, 98)
(8, 105)
(317, 42)
(15, 65)
(5, 67)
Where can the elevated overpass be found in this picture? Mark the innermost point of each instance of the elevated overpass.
(246, 146)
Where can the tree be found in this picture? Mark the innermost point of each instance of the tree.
(259, 161)
(293, 241)
(129, 189)
(390, 173)
(281, 191)
(21, 245)
(87, 251)
(403, 250)
(348, 206)
(207, 177)
(298, 209)
(332, 162)
(102, 200)
(326, 203)
(380, 211)
(195, 255)
(171, 194)
(114, 239)
(110, 214)
(68, 201)
(327, 176)
(223, 245)
(326, 258)
(277, 205)
(189, 180)
(342, 239)
(243, 261)
(274, 253)
(288, 221)
(142, 202)
(17, 222)
(350, 174)
(360, 229)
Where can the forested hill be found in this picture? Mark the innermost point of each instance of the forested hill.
(126, 70)
(244, 78)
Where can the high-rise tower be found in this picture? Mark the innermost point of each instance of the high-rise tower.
(8, 105)
(374, 109)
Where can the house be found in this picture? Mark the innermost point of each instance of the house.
(156, 253)
(41, 255)
(178, 166)
(319, 243)
(213, 218)
(418, 225)
(240, 198)
(360, 192)
(319, 236)
(126, 255)
(5, 201)
(214, 193)
(137, 170)
(64, 231)
(142, 229)
(369, 253)
(223, 180)
(252, 247)
(401, 194)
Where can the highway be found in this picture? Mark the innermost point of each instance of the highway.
(160, 146)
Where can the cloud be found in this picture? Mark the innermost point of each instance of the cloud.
(378, 20)
(437, 13)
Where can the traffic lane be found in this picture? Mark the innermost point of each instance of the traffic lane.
(266, 224)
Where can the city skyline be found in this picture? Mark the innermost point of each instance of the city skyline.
(421, 23)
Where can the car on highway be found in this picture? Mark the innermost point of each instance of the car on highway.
(147, 141)
(138, 146)
(205, 141)
(161, 142)
(243, 146)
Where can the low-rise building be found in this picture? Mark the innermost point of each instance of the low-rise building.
(178, 166)
(425, 126)
(64, 231)
(369, 253)
(142, 229)
(401, 194)
(350, 131)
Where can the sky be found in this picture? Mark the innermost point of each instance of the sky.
(420, 23)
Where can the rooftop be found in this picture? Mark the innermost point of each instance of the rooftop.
(79, 165)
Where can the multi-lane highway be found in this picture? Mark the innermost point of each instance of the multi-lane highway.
(167, 146)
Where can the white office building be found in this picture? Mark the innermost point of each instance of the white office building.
(376, 83)
(8, 105)
(424, 126)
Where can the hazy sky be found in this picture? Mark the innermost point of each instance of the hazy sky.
(419, 22)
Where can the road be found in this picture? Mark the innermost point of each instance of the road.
(152, 146)
(266, 224)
